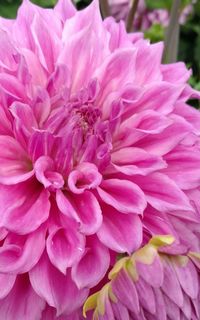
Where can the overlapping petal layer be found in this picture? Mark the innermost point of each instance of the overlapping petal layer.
(99, 151)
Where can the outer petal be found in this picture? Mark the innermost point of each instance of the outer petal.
(163, 193)
(123, 195)
(19, 253)
(58, 290)
(22, 302)
(119, 232)
(93, 265)
(64, 9)
(132, 161)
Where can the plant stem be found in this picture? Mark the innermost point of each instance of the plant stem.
(131, 15)
(105, 10)
(171, 42)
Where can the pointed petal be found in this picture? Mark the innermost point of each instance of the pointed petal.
(93, 265)
(22, 302)
(58, 290)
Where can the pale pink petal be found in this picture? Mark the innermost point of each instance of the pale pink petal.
(58, 290)
(64, 9)
(148, 65)
(123, 195)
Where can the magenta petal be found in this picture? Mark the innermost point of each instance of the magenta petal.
(119, 232)
(84, 208)
(30, 209)
(22, 302)
(85, 176)
(15, 165)
(132, 161)
(123, 195)
(65, 246)
(162, 193)
(58, 290)
(15, 254)
(7, 282)
(93, 265)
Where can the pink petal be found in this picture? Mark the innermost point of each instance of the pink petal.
(123, 195)
(30, 209)
(119, 232)
(84, 208)
(15, 165)
(85, 176)
(44, 171)
(47, 51)
(184, 168)
(22, 302)
(148, 63)
(65, 246)
(117, 71)
(93, 265)
(7, 282)
(188, 278)
(124, 289)
(15, 254)
(64, 9)
(58, 290)
(162, 193)
(131, 161)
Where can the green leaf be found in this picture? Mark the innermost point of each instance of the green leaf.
(155, 33)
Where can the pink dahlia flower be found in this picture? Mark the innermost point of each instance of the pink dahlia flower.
(98, 151)
(145, 17)
(149, 285)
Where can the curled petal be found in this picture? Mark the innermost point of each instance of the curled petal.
(84, 208)
(93, 265)
(65, 246)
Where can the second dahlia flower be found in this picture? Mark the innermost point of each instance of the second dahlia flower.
(98, 152)
(145, 17)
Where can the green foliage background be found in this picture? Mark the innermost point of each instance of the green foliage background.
(189, 48)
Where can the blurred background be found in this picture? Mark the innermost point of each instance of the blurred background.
(152, 17)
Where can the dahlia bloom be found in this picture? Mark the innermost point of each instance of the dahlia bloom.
(145, 17)
(98, 151)
(149, 285)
